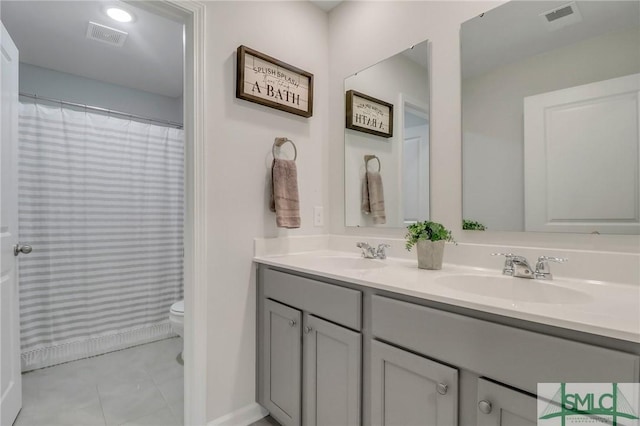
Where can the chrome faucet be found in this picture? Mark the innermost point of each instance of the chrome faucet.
(508, 263)
(543, 272)
(381, 251)
(519, 267)
(369, 252)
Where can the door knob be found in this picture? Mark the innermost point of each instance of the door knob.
(307, 330)
(17, 249)
(484, 406)
(292, 323)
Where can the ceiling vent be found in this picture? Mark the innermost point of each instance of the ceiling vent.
(106, 34)
(561, 16)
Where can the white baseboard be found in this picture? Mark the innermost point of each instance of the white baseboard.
(242, 417)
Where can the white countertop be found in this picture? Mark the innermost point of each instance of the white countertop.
(606, 309)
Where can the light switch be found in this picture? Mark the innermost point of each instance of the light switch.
(318, 216)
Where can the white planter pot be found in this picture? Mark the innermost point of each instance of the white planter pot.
(430, 254)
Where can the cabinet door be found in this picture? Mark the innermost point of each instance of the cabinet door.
(407, 389)
(502, 406)
(332, 379)
(282, 362)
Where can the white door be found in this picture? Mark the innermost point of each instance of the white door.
(415, 179)
(10, 379)
(582, 158)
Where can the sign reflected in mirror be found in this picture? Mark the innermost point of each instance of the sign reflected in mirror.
(393, 190)
(369, 115)
(550, 117)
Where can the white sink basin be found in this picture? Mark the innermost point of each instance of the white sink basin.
(514, 289)
(353, 263)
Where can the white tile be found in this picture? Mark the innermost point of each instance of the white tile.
(109, 389)
(266, 421)
(90, 415)
(153, 356)
(114, 366)
(172, 390)
(163, 417)
(140, 402)
(56, 393)
(114, 388)
(162, 373)
(177, 408)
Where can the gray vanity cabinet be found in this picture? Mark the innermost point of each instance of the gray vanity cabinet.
(407, 389)
(338, 355)
(282, 362)
(331, 373)
(502, 406)
(310, 351)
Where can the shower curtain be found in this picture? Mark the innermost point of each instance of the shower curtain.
(101, 202)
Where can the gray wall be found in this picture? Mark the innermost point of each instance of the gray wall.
(73, 88)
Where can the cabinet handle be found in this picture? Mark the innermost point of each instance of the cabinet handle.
(484, 406)
(442, 388)
(307, 330)
(292, 323)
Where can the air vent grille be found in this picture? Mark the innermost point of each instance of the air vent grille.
(562, 16)
(106, 34)
(560, 13)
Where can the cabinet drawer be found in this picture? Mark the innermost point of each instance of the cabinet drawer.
(510, 355)
(337, 304)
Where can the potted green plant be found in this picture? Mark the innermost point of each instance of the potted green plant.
(429, 238)
(472, 225)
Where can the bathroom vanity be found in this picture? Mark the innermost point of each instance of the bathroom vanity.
(347, 341)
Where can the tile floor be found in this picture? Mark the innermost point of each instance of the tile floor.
(137, 386)
(267, 421)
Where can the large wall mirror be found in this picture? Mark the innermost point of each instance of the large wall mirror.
(387, 141)
(550, 117)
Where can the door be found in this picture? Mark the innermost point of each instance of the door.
(582, 158)
(501, 406)
(10, 379)
(282, 362)
(407, 389)
(413, 135)
(331, 374)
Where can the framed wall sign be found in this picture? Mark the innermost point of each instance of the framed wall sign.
(268, 81)
(369, 115)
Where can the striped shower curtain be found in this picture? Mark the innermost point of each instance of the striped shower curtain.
(101, 202)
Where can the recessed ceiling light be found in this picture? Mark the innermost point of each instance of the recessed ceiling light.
(119, 15)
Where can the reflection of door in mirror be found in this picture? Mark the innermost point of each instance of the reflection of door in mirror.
(415, 167)
(403, 81)
(523, 49)
(581, 152)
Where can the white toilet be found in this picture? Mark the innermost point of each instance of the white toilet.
(176, 317)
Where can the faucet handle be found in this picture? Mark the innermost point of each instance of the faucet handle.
(507, 255)
(543, 272)
(380, 252)
(367, 251)
(552, 259)
(508, 262)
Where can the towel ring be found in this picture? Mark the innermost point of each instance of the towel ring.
(367, 158)
(281, 141)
